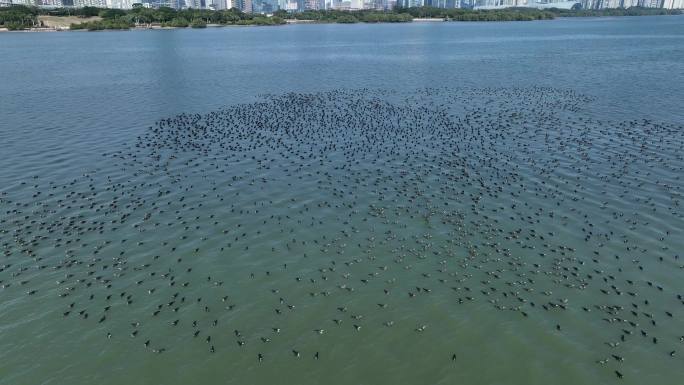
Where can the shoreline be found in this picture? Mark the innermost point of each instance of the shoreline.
(156, 26)
(136, 28)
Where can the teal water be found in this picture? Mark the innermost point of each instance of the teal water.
(385, 196)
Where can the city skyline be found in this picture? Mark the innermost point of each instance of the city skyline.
(269, 6)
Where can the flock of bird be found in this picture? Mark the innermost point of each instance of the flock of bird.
(351, 206)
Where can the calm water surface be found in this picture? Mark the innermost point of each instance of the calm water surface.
(569, 207)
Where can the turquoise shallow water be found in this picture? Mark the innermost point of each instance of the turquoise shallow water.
(384, 196)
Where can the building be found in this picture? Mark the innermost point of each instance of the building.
(607, 4)
(90, 3)
(442, 3)
(496, 4)
(673, 4)
(290, 5)
(243, 5)
(610, 3)
(264, 6)
(215, 5)
(539, 4)
(49, 3)
(121, 4)
(268, 6)
(410, 3)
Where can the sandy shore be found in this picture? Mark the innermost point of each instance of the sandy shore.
(431, 19)
(295, 21)
(63, 22)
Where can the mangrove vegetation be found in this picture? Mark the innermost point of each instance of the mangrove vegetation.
(20, 17)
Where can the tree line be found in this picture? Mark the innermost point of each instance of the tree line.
(337, 16)
(22, 17)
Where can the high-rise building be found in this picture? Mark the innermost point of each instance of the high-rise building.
(264, 6)
(215, 4)
(90, 3)
(243, 5)
(121, 4)
(610, 3)
(442, 3)
(410, 3)
(50, 3)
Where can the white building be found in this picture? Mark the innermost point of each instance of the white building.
(121, 4)
(610, 4)
(673, 4)
(90, 3)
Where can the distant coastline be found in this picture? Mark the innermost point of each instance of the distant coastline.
(31, 19)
